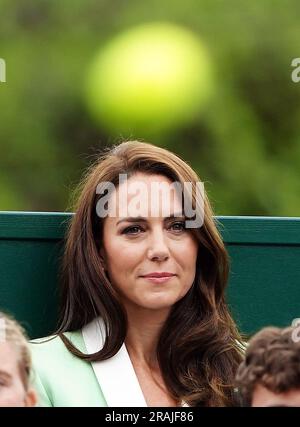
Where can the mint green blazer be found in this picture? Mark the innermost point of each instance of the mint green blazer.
(62, 379)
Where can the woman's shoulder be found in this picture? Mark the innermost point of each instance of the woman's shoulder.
(61, 378)
(55, 345)
(53, 350)
(51, 357)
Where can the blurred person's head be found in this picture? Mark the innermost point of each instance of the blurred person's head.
(15, 365)
(270, 372)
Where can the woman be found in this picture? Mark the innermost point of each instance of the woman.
(143, 315)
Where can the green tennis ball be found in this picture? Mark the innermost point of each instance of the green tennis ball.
(148, 80)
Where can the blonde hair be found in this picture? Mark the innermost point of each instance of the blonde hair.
(12, 332)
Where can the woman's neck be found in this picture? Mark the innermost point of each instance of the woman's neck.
(144, 327)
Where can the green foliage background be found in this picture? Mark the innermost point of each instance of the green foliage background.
(245, 145)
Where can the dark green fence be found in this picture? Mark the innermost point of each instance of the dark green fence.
(264, 285)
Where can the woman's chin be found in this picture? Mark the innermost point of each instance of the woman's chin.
(159, 302)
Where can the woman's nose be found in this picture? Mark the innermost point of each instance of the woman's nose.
(158, 249)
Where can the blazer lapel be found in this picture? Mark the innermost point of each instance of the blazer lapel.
(116, 376)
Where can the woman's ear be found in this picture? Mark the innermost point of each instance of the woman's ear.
(31, 398)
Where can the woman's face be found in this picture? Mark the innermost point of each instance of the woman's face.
(12, 390)
(153, 245)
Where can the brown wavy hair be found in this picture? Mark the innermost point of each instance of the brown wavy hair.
(199, 346)
(272, 360)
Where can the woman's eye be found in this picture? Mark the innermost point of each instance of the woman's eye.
(178, 226)
(132, 230)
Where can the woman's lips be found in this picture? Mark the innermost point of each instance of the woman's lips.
(158, 279)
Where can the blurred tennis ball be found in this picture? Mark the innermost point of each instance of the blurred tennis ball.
(149, 80)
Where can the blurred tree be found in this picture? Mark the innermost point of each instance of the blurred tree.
(245, 145)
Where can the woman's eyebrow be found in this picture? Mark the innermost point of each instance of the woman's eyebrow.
(178, 215)
(132, 219)
(143, 219)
